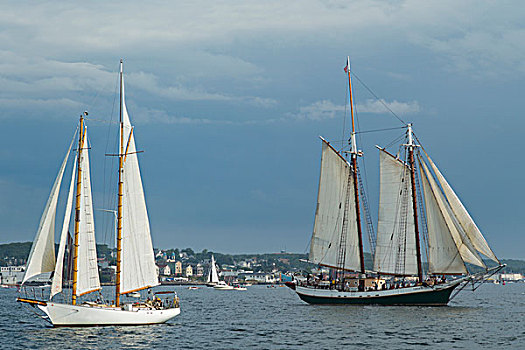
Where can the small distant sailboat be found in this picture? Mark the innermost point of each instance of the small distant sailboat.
(136, 268)
(213, 277)
(452, 239)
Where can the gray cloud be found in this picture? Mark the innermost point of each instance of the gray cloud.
(325, 109)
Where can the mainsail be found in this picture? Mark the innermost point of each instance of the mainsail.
(42, 256)
(395, 246)
(335, 188)
(212, 274)
(88, 279)
(138, 269)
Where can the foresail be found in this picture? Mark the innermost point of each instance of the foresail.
(56, 284)
(396, 244)
(463, 217)
(138, 269)
(444, 257)
(42, 256)
(463, 244)
(87, 276)
(333, 191)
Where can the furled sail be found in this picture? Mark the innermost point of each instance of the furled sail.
(463, 244)
(56, 284)
(87, 276)
(212, 274)
(462, 216)
(396, 244)
(42, 256)
(444, 257)
(138, 269)
(332, 198)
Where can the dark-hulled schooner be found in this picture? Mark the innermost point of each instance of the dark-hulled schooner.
(418, 210)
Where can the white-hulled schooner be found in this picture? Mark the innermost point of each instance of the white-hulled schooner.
(136, 268)
(410, 220)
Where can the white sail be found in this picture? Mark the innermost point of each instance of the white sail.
(444, 257)
(212, 274)
(56, 284)
(42, 256)
(87, 275)
(138, 269)
(463, 217)
(463, 244)
(396, 243)
(332, 197)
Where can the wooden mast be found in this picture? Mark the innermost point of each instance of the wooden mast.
(120, 194)
(77, 209)
(411, 161)
(354, 154)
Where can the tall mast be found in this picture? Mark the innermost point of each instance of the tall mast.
(411, 161)
(120, 194)
(77, 209)
(354, 153)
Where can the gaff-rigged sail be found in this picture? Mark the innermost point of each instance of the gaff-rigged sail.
(395, 246)
(138, 269)
(42, 256)
(87, 278)
(332, 198)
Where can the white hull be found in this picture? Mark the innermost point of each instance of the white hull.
(84, 315)
(220, 287)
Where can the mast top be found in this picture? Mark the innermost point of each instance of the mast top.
(353, 142)
(410, 139)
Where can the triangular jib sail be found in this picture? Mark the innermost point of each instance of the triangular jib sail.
(336, 186)
(42, 256)
(443, 254)
(463, 217)
(56, 285)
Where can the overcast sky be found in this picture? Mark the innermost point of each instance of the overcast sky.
(229, 99)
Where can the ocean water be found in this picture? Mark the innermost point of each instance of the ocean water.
(493, 317)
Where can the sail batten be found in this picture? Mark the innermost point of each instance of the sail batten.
(395, 251)
(333, 192)
(42, 255)
(138, 269)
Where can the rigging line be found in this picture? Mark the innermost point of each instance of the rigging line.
(380, 100)
(378, 130)
(395, 141)
(107, 188)
(101, 121)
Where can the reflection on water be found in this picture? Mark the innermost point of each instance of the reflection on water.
(492, 317)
